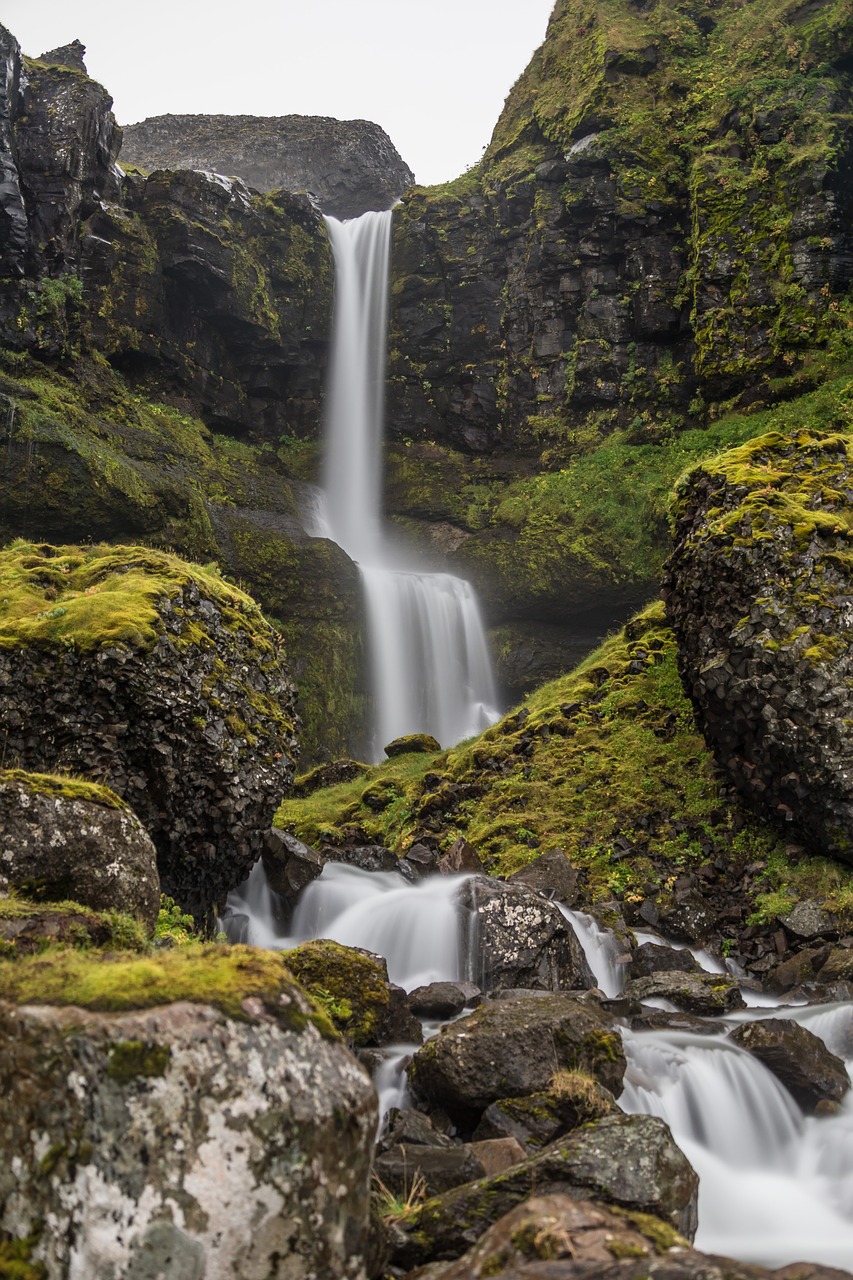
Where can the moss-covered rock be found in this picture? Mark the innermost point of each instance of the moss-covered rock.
(413, 743)
(758, 590)
(131, 666)
(101, 1056)
(349, 985)
(28, 928)
(64, 838)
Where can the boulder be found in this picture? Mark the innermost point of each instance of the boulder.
(700, 993)
(422, 743)
(627, 1161)
(410, 1128)
(269, 1119)
(403, 1167)
(61, 838)
(290, 865)
(418, 861)
(441, 999)
(513, 1048)
(348, 165)
(521, 940)
(539, 1118)
(367, 857)
(797, 1057)
(29, 928)
(758, 592)
(651, 957)
(132, 667)
(550, 873)
(461, 859)
(352, 987)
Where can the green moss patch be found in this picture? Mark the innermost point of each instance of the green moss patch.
(130, 1059)
(205, 974)
(27, 927)
(63, 787)
(351, 988)
(92, 597)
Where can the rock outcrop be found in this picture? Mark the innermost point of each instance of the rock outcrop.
(758, 591)
(178, 1135)
(128, 666)
(349, 166)
(64, 839)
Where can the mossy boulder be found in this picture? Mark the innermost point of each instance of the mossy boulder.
(135, 668)
(61, 838)
(350, 985)
(626, 1161)
(101, 1056)
(28, 928)
(758, 592)
(413, 742)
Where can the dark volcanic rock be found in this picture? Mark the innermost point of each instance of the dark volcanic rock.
(290, 865)
(540, 1118)
(759, 591)
(629, 1161)
(439, 999)
(807, 1069)
(349, 165)
(402, 1165)
(64, 840)
(161, 681)
(552, 874)
(511, 1048)
(700, 993)
(521, 940)
(651, 957)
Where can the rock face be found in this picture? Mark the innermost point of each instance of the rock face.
(758, 592)
(129, 666)
(349, 166)
(269, 1133)
(798, 1058)
(65, 840)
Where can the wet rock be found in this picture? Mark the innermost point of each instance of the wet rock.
(349, 165)
(521, 940)
(163, 682)
(418, 861)
(61, 839)
(543, 1117)
(404, 1166)
(662, 1020)
(422, 743)
(274, 1165)
(700, 993)
(350, 984)
(513, 1048)
(400, 1025)
(439, 1000)
(651, 957)
(550, 873)
(809, 920)
(837, 967)
(496, 1155)
(411, 1128)
(461, 859)
(629, 1161)
(797, 969)
(797, 1057)
(689, 919)
(367, 857)
(290, 865)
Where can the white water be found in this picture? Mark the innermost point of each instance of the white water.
(429, 660)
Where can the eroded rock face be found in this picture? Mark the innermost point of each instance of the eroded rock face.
(185, 707)
(758, 591)
(267, 1158)
(511, 1048)
(87, 847)
(797, 1057)
(350, 166)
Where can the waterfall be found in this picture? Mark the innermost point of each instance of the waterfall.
(429, 660)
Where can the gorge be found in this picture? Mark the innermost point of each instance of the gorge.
(611, 1027)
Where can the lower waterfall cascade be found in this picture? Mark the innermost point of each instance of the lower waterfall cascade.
(776, 1186)
(429, 658)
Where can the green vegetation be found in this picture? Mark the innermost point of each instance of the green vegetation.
(63, 786)
(225, 977)
(173, 925)
(130, 1059)
(599, 762)
(68, 924)
(93, 597)
(349, 987)
(16, 1258)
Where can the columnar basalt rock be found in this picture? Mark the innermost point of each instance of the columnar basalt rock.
(758, 593)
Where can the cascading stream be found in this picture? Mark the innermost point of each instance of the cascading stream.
(430, 665)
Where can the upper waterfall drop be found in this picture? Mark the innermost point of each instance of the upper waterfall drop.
(430, 665)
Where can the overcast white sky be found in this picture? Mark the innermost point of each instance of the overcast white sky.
(433, 73)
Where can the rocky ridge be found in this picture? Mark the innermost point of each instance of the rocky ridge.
(348, 166)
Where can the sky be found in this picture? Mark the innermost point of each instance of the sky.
(433, 73)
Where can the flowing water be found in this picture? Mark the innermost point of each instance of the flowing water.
(776, 1186)
(429, 659)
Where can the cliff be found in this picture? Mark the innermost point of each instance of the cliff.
(349, 166)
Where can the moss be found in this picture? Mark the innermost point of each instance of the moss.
(413, 743)
(130, 1059)
(98, 596)
(63, 787)
(16, 1257)
(661, 1234)
(174, 926)
(209, 974)
(351, 988)
(69, 924)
